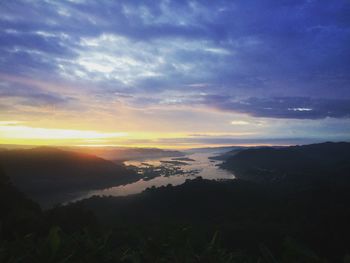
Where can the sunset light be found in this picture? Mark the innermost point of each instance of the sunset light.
(174, 131)
(156, 72)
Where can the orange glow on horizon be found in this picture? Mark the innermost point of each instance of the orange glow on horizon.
(18, 133)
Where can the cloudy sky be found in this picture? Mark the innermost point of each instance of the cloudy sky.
(174, 73)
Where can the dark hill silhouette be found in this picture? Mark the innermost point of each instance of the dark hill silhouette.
(246, 214)
(45, 170)
(18, 214)
(294, 164)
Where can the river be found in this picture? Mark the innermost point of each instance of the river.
(198, 164)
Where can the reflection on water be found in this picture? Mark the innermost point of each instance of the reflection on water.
(199, 166)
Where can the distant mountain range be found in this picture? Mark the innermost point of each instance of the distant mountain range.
(109, 152)
(214, 150)
(294, 164)
(127, 154)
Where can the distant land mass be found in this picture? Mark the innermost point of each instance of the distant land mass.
(46, 171)
(127, 154)
(227, 154)
(185, 159)
(214, 149)
(294, 164)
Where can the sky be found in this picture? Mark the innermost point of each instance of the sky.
(174, 74)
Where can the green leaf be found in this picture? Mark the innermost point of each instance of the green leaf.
(54, 239)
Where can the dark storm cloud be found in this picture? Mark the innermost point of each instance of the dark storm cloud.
(220, 140)
(262, 49)
(284, 107)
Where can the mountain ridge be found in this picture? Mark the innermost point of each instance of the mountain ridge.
(48, 170)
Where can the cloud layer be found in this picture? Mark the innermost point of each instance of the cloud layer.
(263, 59)
(284, 107)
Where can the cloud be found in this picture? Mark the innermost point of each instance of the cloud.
(114, 59)
(283, 107)
(200, 141)
(240, 47)
(239, 122)
(13, 130)
(17, 94)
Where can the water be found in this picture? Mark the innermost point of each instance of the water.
(201, 166)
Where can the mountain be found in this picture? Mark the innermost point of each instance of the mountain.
(245, 214)
(48, 171)
(214, 150)
(127, 154)
(222, 156)
(294, 164)
(17, 212)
